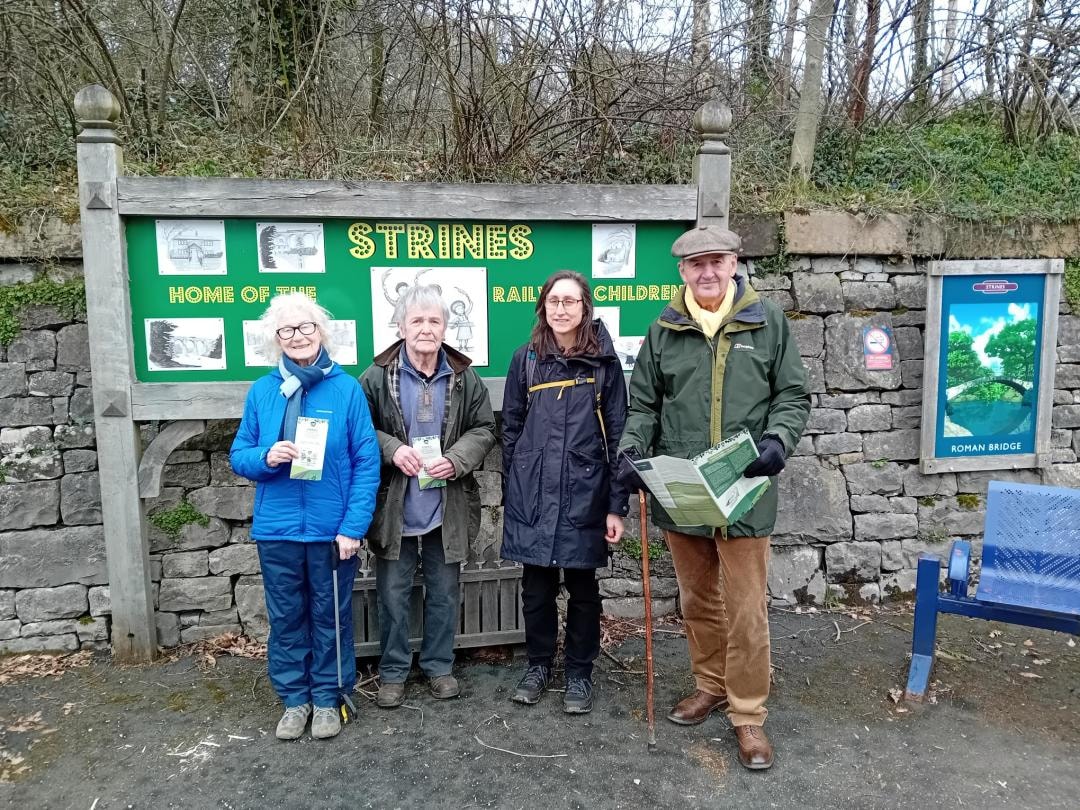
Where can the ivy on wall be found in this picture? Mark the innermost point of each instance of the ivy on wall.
(68, 298)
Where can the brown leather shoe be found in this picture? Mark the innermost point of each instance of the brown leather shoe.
(696, 708)
(755, 751)
(444, 687)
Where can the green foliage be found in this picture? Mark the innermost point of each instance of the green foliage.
(1014, 345)
(962, 364)
(966, 500)
(962, 166)
(878, 463)
(172, 521)
(990, 392)
(1071, 286)
(631, 547)
(68, 298)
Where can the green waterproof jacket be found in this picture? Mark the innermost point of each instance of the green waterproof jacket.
(467, 436)
(687, 393)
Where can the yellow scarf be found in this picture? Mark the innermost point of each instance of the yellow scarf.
(710, 321)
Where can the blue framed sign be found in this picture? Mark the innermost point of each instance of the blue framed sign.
(989, 361)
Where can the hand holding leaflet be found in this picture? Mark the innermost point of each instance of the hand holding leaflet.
(708, 489)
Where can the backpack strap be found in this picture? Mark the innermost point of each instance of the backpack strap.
(597, 382)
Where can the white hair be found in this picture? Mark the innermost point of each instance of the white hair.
(420, 296)
(284, 304)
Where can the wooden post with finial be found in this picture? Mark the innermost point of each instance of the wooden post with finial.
(712, 164)
(108, 311)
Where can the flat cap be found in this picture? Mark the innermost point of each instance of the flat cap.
(706, 239)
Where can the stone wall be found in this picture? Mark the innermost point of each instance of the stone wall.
(855, 515)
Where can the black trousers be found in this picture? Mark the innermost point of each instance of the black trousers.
(539, 588)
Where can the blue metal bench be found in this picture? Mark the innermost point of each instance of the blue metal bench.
(1030, 571)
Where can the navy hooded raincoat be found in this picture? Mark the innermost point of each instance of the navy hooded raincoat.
(560, 483)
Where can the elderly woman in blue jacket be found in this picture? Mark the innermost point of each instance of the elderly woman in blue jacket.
(307, 441)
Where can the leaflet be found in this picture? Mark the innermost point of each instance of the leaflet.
(708, 489)
(310, 440)
(430, 449)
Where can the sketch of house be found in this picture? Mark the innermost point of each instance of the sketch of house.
(191, 246)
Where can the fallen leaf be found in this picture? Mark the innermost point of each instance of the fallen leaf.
(1028, 642)
(1040, 661)
(995, 633)
(895, 694)
(1029, 675)
(1070, 642)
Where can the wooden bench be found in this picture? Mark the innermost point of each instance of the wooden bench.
(1030, 571)
(490, 610)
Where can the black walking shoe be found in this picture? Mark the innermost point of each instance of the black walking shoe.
(578, 697)
(533, 685)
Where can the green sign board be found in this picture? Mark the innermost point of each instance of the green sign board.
(199, 285)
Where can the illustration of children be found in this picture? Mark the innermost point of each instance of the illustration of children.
(460, 322)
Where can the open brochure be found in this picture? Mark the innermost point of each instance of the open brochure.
(708, 489)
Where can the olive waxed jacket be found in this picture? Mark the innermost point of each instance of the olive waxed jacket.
(688, 393)
(468, 434)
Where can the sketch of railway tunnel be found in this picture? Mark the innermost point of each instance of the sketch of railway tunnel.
(979, 417)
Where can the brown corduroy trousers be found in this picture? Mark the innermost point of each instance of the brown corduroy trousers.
(722, 591)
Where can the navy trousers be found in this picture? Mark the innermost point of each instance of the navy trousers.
(299, 588)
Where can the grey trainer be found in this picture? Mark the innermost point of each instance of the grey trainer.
(292, 723)
(325, 723)
(391, 695)
(578, 697)
(533, 685)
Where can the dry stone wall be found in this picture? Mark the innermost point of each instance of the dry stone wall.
(855, 515)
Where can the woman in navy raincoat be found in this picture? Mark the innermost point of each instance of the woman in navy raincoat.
(563, 413)
(305, 404)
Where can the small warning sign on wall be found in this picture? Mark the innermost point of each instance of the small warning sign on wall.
(878, 348)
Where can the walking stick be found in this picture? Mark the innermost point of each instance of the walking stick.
(345, 703)
(647, 587)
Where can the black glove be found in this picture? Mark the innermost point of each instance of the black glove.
(770, 460)
(626, 472)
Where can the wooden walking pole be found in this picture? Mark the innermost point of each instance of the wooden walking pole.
(647, 588)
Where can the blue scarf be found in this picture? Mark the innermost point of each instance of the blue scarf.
(297, 378)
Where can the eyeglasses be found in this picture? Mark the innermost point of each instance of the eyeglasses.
(305, 328)
(567, 303)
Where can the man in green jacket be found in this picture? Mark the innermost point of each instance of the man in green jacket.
(434, 424)
(717, 361)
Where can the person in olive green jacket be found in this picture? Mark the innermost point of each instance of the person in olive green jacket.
(717, 361)
(434, 425)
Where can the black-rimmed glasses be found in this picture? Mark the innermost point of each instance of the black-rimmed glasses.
(305, 328)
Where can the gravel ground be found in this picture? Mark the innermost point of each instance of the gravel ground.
(1004, 730)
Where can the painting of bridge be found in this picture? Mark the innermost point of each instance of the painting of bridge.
(176, 344)
(990, 369)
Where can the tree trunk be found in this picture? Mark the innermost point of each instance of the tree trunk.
(699, 45)
(920, 60)
(860, 87)
(851, 46)
(990, 70)
(758, 35)
(948, 67)
(787, 69)
(808, 117)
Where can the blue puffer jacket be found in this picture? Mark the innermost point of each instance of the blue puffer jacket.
(310, 511)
